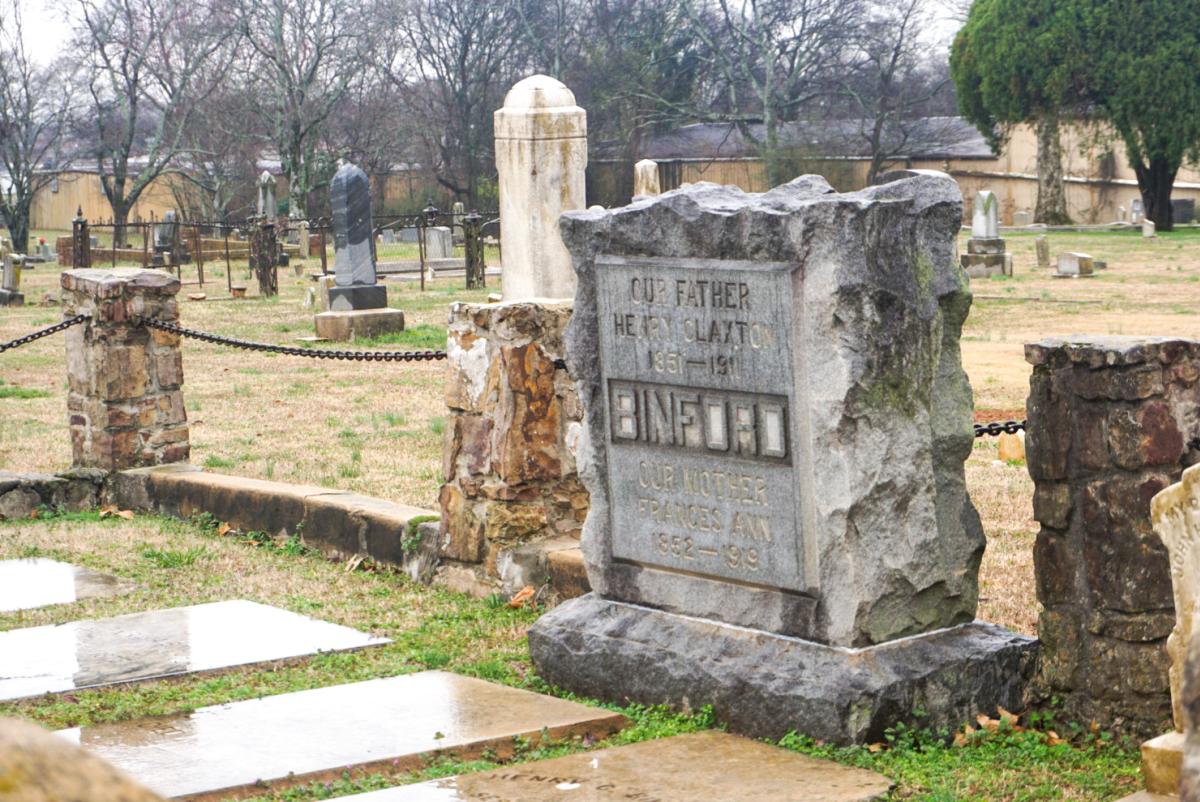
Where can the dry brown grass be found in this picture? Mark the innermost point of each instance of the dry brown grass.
(375, 428)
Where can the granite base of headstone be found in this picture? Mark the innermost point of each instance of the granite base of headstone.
(357, 305)
(776, 424)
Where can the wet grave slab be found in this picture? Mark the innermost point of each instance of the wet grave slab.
(38, 582)
(712, 766)
(162, 643)
(238, 749)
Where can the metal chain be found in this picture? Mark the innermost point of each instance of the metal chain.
(290, 350)
(995, 428)
(46, 332)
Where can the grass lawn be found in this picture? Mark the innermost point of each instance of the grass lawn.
(376, 428)
(176, 563)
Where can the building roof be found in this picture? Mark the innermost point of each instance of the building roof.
(924, 138)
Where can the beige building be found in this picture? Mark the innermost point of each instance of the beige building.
(1099, 182)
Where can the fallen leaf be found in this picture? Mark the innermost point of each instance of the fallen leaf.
(353, 563)
(989, 724)
(874, 748)
(224, 529)
(1053, 740)
(126, 514)
(108, 510)
(1005, 716)
(522, 597)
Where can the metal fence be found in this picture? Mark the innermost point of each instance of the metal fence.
(265, 243)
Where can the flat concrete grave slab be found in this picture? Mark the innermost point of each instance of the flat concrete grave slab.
(162, 643)
(38, 582)
(712, 766)
(226, 750)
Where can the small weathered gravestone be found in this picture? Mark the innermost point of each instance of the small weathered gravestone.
(439, 244)
(1074, 265)
(1175, 512)
(645, 179)
(10, 280)
(357, 303)
(1022, 217)
(388, 236)
(779, 525)
(1135, 211)
(1148, 228)
(1043, 251)
(985, 254)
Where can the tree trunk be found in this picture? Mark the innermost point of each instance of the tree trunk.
(1155, 182)
(1052, 197)
(18, 227)
(120, 221)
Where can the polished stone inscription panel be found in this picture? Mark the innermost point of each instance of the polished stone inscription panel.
(38, 582)
(391, 724)
(163, 643)
(711, 766)
(696, 361)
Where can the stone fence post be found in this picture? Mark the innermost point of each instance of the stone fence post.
(124, 400)
(1111, 423)
(511, 487)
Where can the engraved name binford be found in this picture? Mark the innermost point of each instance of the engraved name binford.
(717, 422)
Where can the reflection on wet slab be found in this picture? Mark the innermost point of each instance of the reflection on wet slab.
(710, 766)
(162, 643)
(37, 582)
(311, 735)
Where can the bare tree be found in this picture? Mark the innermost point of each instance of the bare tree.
(459, 57)
(34, 105)
(766, 60)
(143, 62)
(892, 78)
(307, 54)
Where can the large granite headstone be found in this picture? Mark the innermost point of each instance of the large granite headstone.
(357, 304)
(776, 424)
(10, 279)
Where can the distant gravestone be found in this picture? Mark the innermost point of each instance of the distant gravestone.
(388, 236)
(1024, 217)
(1043, 251)
(266, 195)
(1148, 228)
(645, 179)
(778, 523)
(1122, 215)
(1074, 265)
(439, 243)
(357, 303)
(985, 215)
(1135, 211)
(10, 279)
(164, 231)
(986, 254)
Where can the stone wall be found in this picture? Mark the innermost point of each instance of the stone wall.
(509, 467)
(124, 398)
(1112, 421)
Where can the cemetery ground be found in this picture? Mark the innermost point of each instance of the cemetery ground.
(376, 428)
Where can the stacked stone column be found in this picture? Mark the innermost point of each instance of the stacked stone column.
(124, 400)
(509, 471)
(1111, 423)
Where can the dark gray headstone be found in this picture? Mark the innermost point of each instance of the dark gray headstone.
(350, 197)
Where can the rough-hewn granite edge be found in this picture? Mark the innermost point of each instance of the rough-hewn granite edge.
(766, 685)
